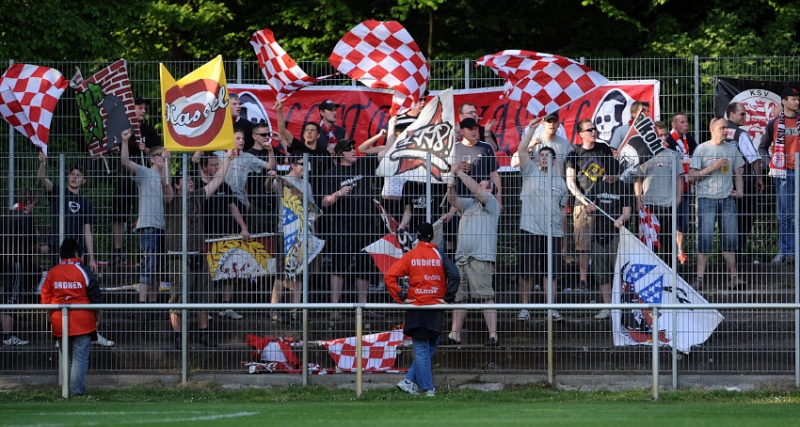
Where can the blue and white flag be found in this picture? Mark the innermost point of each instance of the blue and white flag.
(642, 277)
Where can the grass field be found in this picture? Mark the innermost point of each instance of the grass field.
(206, 405)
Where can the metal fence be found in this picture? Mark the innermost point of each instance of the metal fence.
(758, 340)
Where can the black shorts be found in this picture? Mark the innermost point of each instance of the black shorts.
(532, 254)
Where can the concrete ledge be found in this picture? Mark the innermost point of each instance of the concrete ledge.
(446, 382)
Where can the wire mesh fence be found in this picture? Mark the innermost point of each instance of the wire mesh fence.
(746, 341)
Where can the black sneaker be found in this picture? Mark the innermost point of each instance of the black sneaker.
(178, 342)
(491, 342)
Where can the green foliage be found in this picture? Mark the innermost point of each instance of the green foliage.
(64, 29)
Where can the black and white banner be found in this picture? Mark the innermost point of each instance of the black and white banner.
(761, 100)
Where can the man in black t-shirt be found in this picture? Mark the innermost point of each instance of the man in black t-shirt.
(348, 199)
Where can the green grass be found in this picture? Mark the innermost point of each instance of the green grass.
(204, 405)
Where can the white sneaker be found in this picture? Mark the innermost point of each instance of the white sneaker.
(557, 316)
(523, 315)
(779, 258)
(15, 341)
(408, 387)
(229, 313)
(103, 341)
(431, 392)
(603, 314)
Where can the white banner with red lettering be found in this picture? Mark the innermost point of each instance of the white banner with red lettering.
(364, 111)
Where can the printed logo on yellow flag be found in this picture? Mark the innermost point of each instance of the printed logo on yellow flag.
(196, 115)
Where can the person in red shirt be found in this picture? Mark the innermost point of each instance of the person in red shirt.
(70, 283)
(432, 279)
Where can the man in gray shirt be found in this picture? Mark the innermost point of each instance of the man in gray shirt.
(715, 170)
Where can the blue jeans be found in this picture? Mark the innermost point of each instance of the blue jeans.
(723, 213)
(420, 370)
(79, 363)
(151, 243)
(784, 189)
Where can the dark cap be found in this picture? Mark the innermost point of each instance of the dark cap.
(789, 91)
(425, 231)
(140, 101)
(328, 105)
(344, 145)
(553, 115)
(468, 123)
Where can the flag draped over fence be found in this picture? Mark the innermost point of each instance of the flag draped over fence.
(378, 351)
(233, 258)
(383, 55)
(432, 133)
(642, 277)
(195, 110)
(295, 217)
(28, 97)
(105, 107)
(283, 75)
(391, 247)
(274, 349)
(542, 82)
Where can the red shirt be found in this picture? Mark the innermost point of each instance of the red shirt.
(69, 283)
(426, 276)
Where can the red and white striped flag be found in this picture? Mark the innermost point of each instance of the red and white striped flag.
(384, 55)
(378, 351)
(283, 74)
(28, 97)
(541, 82)
(649, 227)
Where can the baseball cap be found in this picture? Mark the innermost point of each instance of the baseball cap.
(425, 231)
(344, 145)
(789, 91)
(553, 115)
(328, 105)
(468, 123)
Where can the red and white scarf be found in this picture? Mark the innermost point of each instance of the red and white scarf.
(777, 163)
(683, 149)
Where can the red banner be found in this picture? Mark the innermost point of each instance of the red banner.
(363, 111)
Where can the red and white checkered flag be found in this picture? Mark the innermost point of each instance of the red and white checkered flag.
(378, 351)
(383, 55)
(283, 74)
(28, 96)
(542, 82)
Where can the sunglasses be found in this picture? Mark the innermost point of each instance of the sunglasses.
(263, 134)
(590, 130)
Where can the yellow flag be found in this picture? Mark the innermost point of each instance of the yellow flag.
(195, 111)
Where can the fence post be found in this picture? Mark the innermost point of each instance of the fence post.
(656, 343)
(359, 356)
(696, 94)
(65, 353)
(796, 270)
(466, 73)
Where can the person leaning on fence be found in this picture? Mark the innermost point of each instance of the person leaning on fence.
(70, 283)
(476, 251)
(716, 173)
(78, 218)
(200, 290)
(586, 165)
(540, 185)
(680, 140)
(154, 191)
(291, 188)
(779, 143)
(17, 252)
(611, 208)
(658, 189)
(432, 279)
(349, 202)
(125, 192)
(222, 218)
(747, 205)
